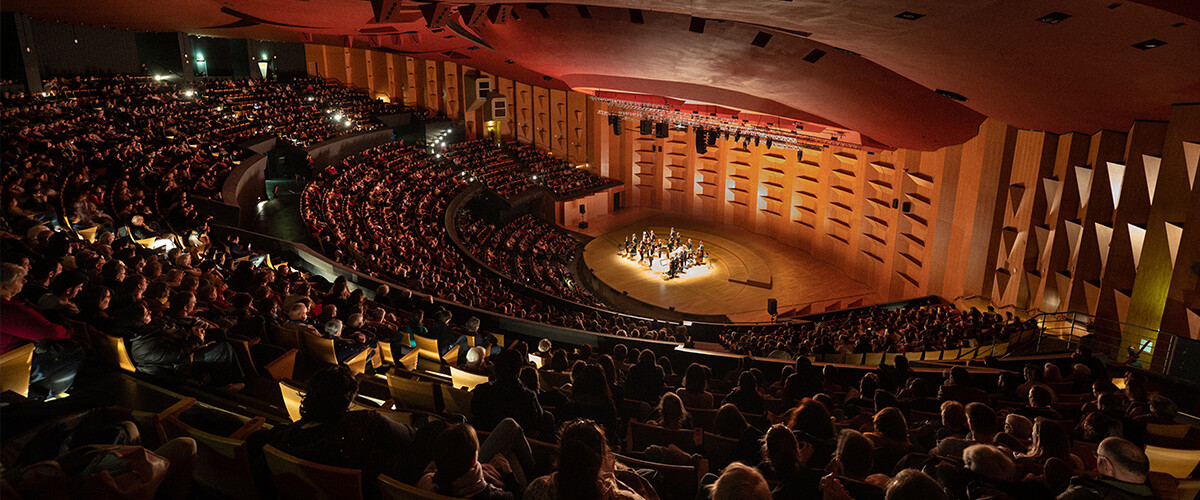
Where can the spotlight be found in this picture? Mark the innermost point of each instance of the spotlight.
(189, 93)
(158, 78)
(768, 143)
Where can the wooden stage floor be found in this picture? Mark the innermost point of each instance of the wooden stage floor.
(747, 268)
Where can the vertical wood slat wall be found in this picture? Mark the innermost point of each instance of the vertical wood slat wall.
(1031, 219)
(1024, 218)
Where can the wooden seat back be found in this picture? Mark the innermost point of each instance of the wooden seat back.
(428, 348)
(411, 394)
(286, 338)
(455, 400)
(297, 478)
(642, 435)
(1178, 463)
(392, 489)
(112, 349)
(463, 379)
(15, 368)
(682, 481)
(292, 396)
(222, 463)
(1168, 431)
(719, 450)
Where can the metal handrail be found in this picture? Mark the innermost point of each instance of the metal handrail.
(1105, 337)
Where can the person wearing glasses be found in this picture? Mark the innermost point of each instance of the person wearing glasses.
(1123, 469)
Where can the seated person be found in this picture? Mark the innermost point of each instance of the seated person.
(464, 468)
(746, 396)
(58, 359)
(160, 348)
(1123, 469)
(586, 468)
(958, 388)
(1162, 411)
(851, 464)
(739, 481)
(506, 397)
(329, 434)
(1039, 404)
(344, 348)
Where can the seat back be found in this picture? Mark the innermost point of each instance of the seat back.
(1188, 489)
(412, 394)
(112, 349)
(428, 348)
(1169, 431)
(222, 463)
(834, 358)
(409, 361)
(950, 354)
(1177, 463)
(873, 358)
(392, 489)
(297, 478)
(682, 481)
(703, 419)
(292, 395)
(284, 337)
(643, 435)
(15, 367)
(914, 356)
(719, 450)
(318, 349)
(455, 400)
(385, 351)
(463, 379)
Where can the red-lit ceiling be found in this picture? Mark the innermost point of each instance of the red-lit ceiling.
(1080, 75)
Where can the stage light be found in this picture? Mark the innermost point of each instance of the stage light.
(189, 93)
(337, 117)
(158, 78)
(310, 98)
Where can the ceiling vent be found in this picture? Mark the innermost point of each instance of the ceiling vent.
(910, 16)
(761, 39)
(1054, 18)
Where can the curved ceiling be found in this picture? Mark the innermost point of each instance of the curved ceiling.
(878, 74)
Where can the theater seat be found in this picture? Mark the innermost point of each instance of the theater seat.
(297, 478)
(1178, 463)
(320, 349)
(15, 367)
(1168, 431)
(392, 489)
(112, 349)
(292, 395)
(428, 348)
(455, 400)
(284, 337)
(222, 462)
(642, 435)
(681, 481)
(463, 379)
(409, 394)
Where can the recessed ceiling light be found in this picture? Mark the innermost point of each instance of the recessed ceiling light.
(952, 95)
(1114, 5)
(473, 48)
(1054, 18)
(1149, 44)
(911, 16)
(1178, 25)
(509, 61)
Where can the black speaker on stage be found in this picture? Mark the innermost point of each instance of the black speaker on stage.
(646, 127)
(617, 125)
(906, 207)
(582, 209)
(773, 307)
(661, 130)
(583, 224)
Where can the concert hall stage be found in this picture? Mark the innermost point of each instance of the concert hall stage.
(746, 269)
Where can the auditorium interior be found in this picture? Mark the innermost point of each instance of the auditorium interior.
(635, 249)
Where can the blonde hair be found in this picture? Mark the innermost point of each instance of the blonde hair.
(740, 481)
